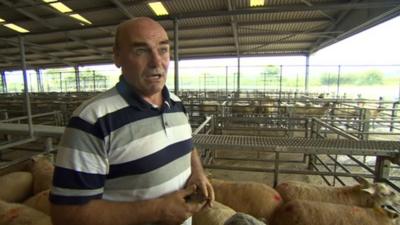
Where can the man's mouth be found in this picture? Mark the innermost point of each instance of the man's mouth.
(154, 76)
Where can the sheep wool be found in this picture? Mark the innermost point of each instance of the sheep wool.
(18, 214)
(42, 170)
(302, 212)
(40, 202)
(256, 199)
(348, 195)
(16, 186)
(215, 215)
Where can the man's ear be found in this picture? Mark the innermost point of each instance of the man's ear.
(116, 57)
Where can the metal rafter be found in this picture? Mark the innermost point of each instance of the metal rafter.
(342, 15)
(52, 57)
(320, 43)
(85, 43)
(234, 28)
(122, 8)
(69, 35)
(320, 11)
(28, 14)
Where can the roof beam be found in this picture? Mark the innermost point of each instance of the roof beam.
(308, 3)
(269, 9)
(122, 8)
(28, 14)
(287, 8)
(326, 41)
(69, 35)
(52, 57)
(85, 43)
(234, 28)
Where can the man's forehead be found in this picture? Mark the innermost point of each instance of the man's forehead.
(150, 43)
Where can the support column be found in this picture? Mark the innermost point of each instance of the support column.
(238, 76)
(338, 82)
(26, 91)
(39, 80)
(306, 79)
(176, 56)
(77, 79)
(382, 169)
(280, 83)
(3, 81)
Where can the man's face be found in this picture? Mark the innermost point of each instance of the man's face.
(143, 55)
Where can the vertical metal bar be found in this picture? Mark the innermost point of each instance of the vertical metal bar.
(276, 170)
(238, 75)
(176, 55)
(226, 81)
(280, 83)
(77, 79)
(61, 86)
(338, 82)
(39, 80)
(94, 80)
(4, 81)
(393, 115)
(48, 145)
(26, 92)
(382, 169)
(204, 82)
(306, 79)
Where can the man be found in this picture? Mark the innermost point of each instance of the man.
(126, 156)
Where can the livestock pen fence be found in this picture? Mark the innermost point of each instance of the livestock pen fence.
(335, 158)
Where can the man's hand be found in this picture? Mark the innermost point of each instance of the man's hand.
(203, 186)
(176, 208)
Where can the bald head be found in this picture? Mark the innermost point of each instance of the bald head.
(136, 26)
(141, 50)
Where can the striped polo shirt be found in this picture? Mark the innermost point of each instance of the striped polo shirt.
(119, 147)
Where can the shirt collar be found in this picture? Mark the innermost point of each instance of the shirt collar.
(134, 99)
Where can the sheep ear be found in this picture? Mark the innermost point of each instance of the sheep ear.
(390, 211)
(363, 182)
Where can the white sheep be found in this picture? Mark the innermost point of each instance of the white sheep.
(364, 194)
(243, 219)
(215, 215)
(302, 212)
(256, 199)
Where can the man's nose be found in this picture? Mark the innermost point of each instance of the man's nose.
(155, 58)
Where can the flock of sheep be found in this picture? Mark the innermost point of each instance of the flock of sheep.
(299, 203)
(24, 201)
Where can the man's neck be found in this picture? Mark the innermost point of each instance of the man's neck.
(155, 99)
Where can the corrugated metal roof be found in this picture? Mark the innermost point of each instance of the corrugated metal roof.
(207, 28)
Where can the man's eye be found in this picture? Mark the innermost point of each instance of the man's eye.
(164, 50)
(140, 51)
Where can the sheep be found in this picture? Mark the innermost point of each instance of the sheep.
(40, 202)
(243, 219)
(256, 199)
(42, 170)
(217, 214)
(16, 186)
(364, 194)
(18, 214)
(303, 212)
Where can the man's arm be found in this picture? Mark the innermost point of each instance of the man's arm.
(199, 178)
(170, 209)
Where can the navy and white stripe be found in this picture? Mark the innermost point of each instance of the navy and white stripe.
(119, 147)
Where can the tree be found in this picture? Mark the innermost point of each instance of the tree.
(371, 77)
(328, 79)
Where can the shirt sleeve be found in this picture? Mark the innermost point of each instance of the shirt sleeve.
(81, 164)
